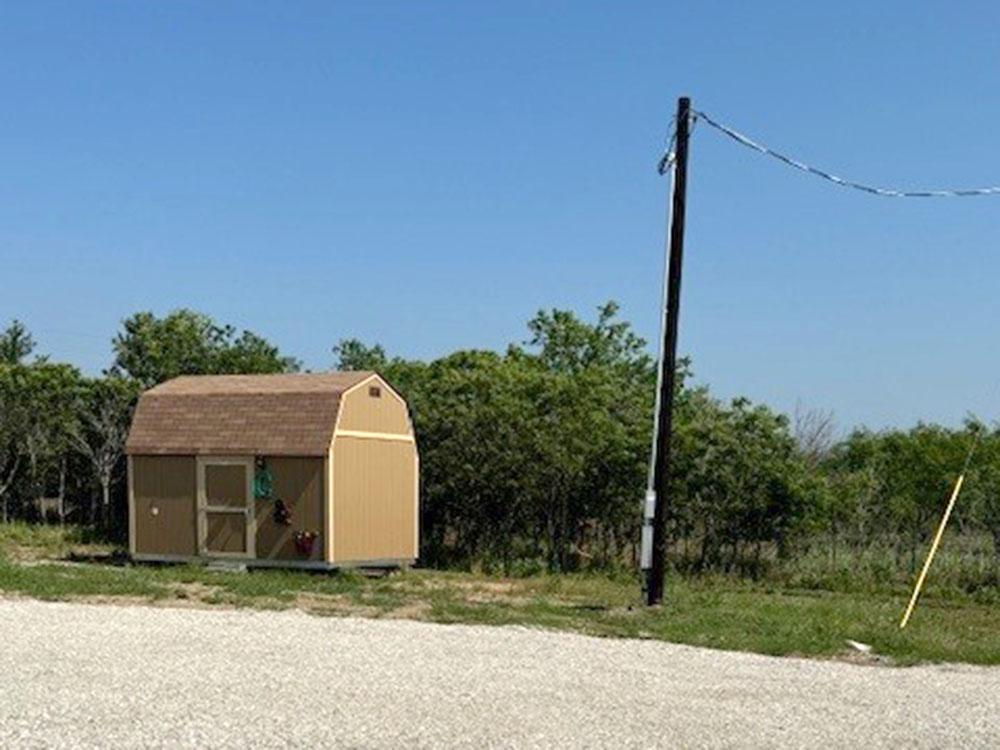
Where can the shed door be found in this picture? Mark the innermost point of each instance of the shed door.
(225, 507)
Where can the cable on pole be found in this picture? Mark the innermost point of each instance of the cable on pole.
(669, 154)
(802, 166)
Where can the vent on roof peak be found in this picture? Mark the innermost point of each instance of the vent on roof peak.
(374, 391)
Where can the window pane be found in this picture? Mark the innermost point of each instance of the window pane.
(226, 485)
(226, 532)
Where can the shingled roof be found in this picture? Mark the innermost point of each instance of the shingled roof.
(270, 415)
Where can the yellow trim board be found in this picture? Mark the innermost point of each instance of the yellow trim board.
(403, 437)
(131, 507)
(328, 504)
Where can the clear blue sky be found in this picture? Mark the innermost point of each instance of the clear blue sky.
(427, 175)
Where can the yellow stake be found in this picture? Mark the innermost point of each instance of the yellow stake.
(930, 555)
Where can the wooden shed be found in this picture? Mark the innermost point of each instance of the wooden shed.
(311, 471)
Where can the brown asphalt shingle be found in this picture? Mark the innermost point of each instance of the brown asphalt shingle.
(274, 415)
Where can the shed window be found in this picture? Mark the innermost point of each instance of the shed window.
(226, 485)
(375, 392)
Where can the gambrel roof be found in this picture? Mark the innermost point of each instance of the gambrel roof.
(270, 415)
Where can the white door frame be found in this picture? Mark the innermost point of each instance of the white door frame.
(248, 512)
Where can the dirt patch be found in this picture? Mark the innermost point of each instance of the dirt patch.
(508, 592)
(857, 657)
(21, 553)
(495, 588)
(119, 600)
(28, 555)
(847, 656)
(452, 584)
(334, 604)
(193, 591)
(411, 610)
(489, 597)
(625, 612)
(124, 600)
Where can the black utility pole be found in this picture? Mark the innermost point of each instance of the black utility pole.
(668, 358)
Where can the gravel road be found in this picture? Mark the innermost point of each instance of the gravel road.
(76, 675)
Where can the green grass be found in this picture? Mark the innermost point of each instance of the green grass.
(715, 612)
(24, 541)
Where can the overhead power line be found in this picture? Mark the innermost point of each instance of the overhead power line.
(789, 161)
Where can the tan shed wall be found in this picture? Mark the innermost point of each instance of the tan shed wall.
(362, 412)
(374, 499)
(300, 483)
(167, 484)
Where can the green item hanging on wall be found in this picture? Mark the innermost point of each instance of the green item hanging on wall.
(263, 482)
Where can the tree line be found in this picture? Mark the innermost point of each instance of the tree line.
(534, 457)
(62, 434)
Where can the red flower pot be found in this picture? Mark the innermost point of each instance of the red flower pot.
(304, 542)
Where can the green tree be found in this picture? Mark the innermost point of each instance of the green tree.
(538, 453)
(596, 432)
(472, 427)
(42, 400)
(352, 354)
(16, 344)
(984, 481)
(893, 484)
(106, 413)
(55, 397)
(152, 350)
(739, 482)
(920, 466)
(13, 418)
(856, 501)
(564, 343)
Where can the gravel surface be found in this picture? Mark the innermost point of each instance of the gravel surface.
(77, 675)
